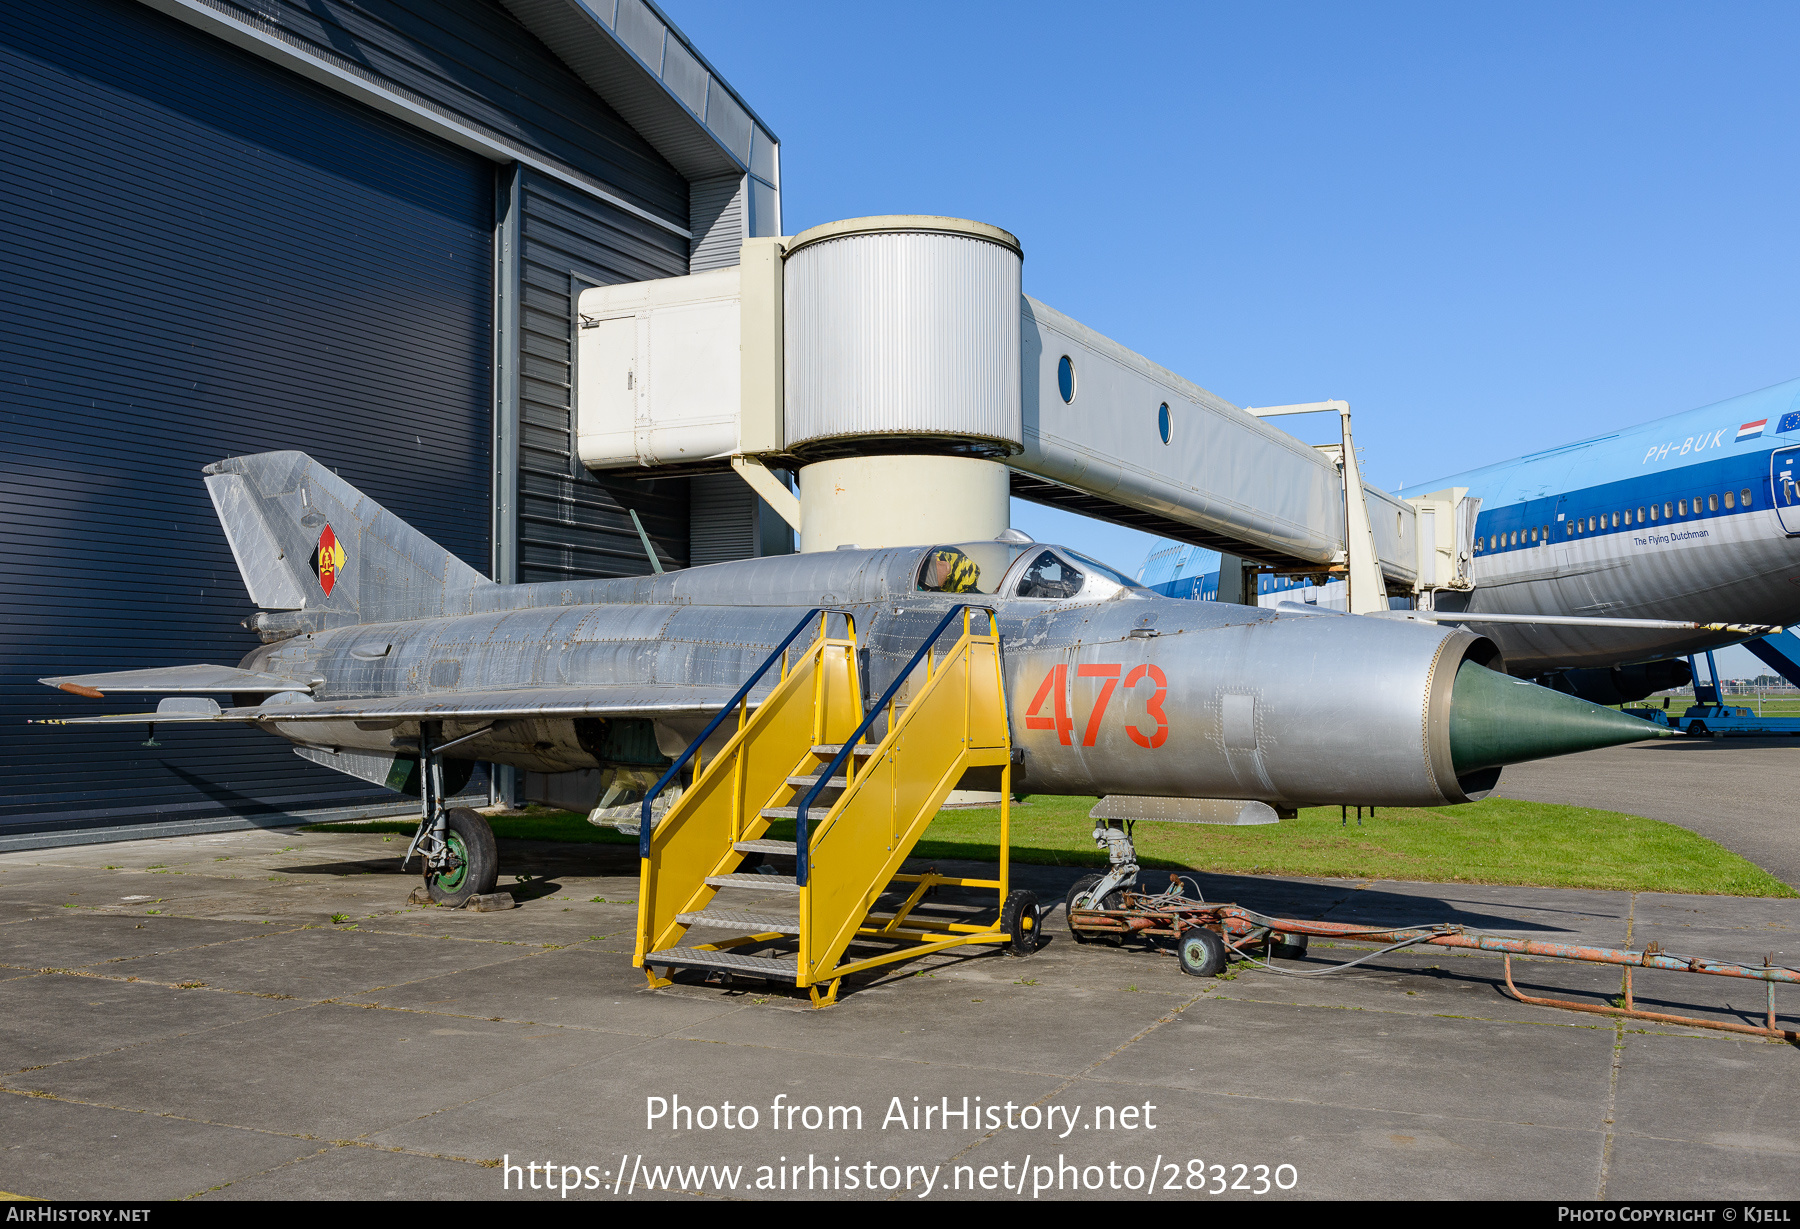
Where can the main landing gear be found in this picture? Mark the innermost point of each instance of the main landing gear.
(456, 843)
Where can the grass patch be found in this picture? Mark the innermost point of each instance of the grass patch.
(1497, 841)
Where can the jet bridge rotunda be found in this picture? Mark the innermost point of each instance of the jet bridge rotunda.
(892, 369)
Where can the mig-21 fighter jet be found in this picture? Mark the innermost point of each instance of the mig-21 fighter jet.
(388, 658)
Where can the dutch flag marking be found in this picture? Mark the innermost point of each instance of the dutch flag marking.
(1751, 430)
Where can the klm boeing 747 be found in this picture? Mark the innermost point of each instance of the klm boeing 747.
(1692, 517)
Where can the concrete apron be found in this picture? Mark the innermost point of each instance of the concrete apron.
(184, 1017)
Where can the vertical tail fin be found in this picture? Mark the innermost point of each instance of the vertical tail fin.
(304, 539)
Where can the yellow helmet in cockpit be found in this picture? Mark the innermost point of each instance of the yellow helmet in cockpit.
(948, 570)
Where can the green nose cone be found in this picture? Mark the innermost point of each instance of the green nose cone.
(1496, 719)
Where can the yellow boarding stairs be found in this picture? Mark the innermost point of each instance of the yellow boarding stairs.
(859, 808)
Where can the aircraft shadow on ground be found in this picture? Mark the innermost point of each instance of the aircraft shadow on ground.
(1343, 901)
(1668, 745)
(238, 805)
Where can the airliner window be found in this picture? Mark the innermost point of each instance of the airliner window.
(1681, 507)
(1712, 503)
(1744, 497)
(1668, 511)
(1729, 501)
(1049, 577)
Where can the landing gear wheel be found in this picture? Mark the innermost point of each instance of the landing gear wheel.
(474, 862)
(1078, 899)
(1200, 952)
(1287, 947)
(1019, 917)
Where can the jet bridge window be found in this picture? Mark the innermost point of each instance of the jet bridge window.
(1050, 577)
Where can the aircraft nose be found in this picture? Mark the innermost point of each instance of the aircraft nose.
(1496, 719)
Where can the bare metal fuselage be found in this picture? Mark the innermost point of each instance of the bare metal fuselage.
(1135, 694)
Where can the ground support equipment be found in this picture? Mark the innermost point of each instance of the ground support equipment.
(1186, 925)
(858, 806)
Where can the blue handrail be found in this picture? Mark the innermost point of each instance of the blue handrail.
(802, 854)
(644, 823)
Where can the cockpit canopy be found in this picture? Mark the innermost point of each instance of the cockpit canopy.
(1020, 569)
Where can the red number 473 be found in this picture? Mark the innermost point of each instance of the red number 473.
(1055, 689)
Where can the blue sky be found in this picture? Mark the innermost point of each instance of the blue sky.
(1491, 228)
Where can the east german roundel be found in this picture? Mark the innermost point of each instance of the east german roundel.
(328, 560)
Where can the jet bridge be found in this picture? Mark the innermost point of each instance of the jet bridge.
(893, 365)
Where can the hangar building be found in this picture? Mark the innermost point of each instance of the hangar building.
(357, 228)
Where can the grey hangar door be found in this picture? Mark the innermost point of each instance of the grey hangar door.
(204, 256)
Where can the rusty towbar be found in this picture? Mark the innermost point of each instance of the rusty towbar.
(1167, 915)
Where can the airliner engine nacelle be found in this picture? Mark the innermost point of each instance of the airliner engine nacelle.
(1622, 684)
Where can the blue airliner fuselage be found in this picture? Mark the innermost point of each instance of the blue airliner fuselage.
(1693, 517)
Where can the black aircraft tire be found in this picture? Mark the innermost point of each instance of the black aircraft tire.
(1080, 888)
(470, 837)
(1019, 917)
(1200, 952)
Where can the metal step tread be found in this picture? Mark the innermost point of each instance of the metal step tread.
(834, 783)
(818, 810)
(755, 923)
(763, 883)
(779, 847)
(768, 966)
(831, 749)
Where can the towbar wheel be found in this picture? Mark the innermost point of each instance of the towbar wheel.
(471, 864)
(1201, 952)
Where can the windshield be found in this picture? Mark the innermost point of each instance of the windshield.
(1112, 574)
(1048, 576)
